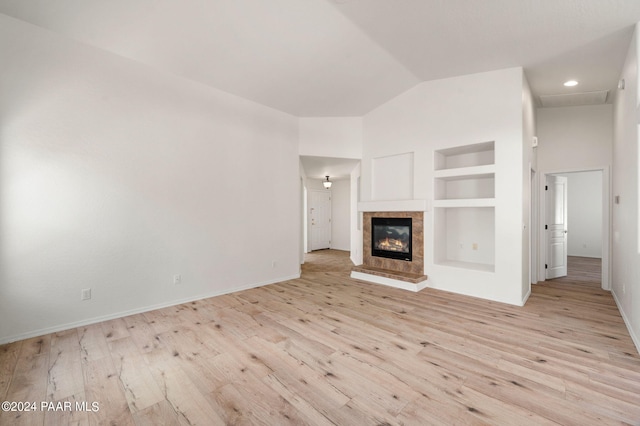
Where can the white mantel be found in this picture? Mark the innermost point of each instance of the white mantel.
(393, 206)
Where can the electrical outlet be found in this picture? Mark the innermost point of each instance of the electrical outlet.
(474, 246)
(461, 245)
(177, 279)
(274, 264)
(85, 294)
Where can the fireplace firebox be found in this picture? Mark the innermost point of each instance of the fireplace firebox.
(391, 237)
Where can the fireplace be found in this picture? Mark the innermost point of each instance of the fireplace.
(391, 237)
(397, 259)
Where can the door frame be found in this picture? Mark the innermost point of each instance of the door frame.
(533, 226)
(606, 220)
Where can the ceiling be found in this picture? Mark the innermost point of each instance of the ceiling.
(322, 58)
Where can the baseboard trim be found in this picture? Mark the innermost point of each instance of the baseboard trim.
(526, 297)
(121, 314)
(634, 338)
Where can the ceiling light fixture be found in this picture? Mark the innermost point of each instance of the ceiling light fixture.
(570, 83)
(327, 183)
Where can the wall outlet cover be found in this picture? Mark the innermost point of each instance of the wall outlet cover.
(85, 294)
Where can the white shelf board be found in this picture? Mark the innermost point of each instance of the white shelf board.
(467, 265)
(465, 202)
(467, 149)
(466, 172)
(393, 206)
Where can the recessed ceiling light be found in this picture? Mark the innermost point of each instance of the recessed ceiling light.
(570, 83)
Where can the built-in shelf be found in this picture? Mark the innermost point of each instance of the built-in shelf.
(465, 187)
(467, 265)
(464, 236)
(464, 206)
(479, 154)
(460, 172)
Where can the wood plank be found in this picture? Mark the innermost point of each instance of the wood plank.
(65, 412)
(187, 401)
(161, 413)
(103, 386)
(65, 368)
(309, 413)
(139, 386)
(624, 408)
(288, 368)
(9, 354)
(141, 332)
(93, 343)
(29, 381)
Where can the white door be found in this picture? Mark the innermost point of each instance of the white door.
(556, 226)
(320, 219)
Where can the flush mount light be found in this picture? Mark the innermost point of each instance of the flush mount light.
(570, 83)
(327, 183)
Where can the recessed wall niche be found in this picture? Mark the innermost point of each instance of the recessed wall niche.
(392, 177)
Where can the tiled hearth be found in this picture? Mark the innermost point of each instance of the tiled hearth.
(408, 275)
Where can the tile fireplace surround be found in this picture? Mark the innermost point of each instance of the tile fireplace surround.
(408, 275)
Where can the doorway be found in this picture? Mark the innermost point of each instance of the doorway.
(576, 233)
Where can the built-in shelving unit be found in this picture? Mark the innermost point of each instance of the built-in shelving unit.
(464, 206)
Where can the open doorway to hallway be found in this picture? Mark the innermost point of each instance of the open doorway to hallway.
(329, 215)
(583, 221)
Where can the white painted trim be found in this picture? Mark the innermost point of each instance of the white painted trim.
(390, 282)
(526, 297)
(534, 224)
(488, 169)
(393, 206)
(121, 314)
(634, 338)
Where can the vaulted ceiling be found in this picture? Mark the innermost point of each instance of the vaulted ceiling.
(346, 57)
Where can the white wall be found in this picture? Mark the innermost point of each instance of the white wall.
(574, 138)
(337, 137)
(392, 177)
(304, 233)
(447, 113)
(115, 177)
(625, 245)
(356, 218)
(584, 214)
(529, 163)
(340, 215)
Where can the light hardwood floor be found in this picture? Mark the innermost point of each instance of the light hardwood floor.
(326, 349)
